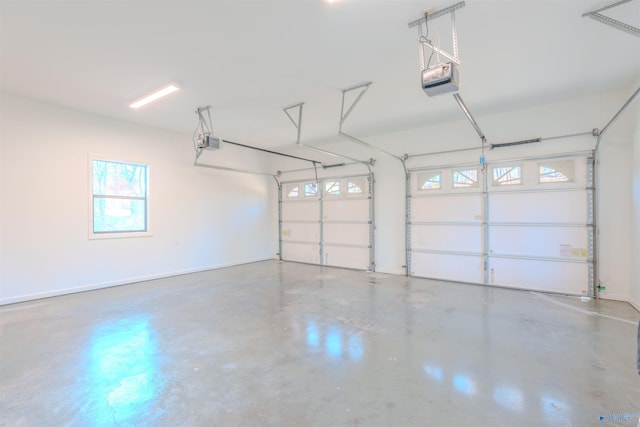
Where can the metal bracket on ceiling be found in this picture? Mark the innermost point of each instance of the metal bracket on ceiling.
(423, 40)
(362, 87)
(204, 122)
(627, 28)
(298, 126)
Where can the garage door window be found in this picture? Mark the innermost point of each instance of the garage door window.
(507, 175)
(355, 186)
(311, 189)
(292, 192)
(466, 178)
(556, 171)
(332, 188)
(429, 180)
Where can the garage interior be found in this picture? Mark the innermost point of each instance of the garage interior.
(319, 225)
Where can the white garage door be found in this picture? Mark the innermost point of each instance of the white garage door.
(328, 222)
(446, 224)
(522, 223)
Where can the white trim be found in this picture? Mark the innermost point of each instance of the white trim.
(635, 304)
(613, 297)
(120, 282)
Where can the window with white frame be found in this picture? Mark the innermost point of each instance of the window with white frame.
(551, 171)
(332, 188)
(506, 175)
(356, 186)
(311, 189)
(292, 191)
(429, 180)
(465, 178)
(120, 198)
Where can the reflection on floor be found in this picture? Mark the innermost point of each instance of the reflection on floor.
(286, 344)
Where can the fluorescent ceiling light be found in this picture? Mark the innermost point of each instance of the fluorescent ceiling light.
(156, 95)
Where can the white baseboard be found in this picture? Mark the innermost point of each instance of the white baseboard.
(613, 297)
(119, 282)
(634, 303)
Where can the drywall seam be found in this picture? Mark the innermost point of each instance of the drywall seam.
(121, 282)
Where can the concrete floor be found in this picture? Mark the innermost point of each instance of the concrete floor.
(283, 344)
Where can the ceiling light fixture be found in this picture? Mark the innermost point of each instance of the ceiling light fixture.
(154, 96)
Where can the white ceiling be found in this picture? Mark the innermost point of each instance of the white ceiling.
(248, 59)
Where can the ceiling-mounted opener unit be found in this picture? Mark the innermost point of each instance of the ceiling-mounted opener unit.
(442, 77)
(203, 137)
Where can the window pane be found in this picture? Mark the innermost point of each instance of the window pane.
(332, 187)
(429, 180)
(311, 189)
(355, 186)
(119, 179)
(509, 175)
(119, 215)
(465, 178)
(556, 171)
(293, 192)
(119, 197)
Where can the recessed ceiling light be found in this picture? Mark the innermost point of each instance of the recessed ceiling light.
(156, 95)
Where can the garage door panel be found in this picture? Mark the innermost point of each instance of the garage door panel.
(539, 241)
(447, 238)
(462, 268)
(309, 253)
(345, 209)
(354, 234)
(301, 211)
(301, 232)
(549, 207)
(567, 277)
(339, 256)
(327, 222)
(464, 208)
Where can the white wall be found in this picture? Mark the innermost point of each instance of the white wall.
(577, 115)
(635, 233)
(200, 219)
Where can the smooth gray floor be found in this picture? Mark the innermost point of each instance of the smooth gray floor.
(284, 344)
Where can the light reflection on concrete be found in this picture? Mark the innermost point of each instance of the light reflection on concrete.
(464, 384)
(434, 372)
(337, 342)
(122, 371)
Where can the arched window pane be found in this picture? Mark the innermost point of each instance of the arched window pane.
(556, 171)
(507, 175)
(429, 180)
(467, 178)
